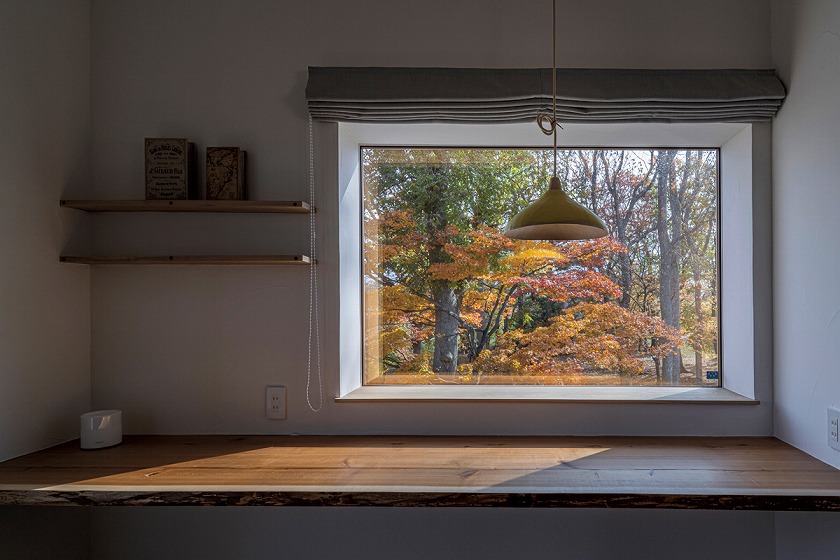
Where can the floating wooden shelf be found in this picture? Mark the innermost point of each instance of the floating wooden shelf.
(191, 259)
(736, 473)
(215, 206)
(230, 206)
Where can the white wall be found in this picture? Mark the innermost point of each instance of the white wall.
(44, 305)
(806, 212)
(191, 349)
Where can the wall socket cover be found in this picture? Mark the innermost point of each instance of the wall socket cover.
(275, 402)
(834, 428)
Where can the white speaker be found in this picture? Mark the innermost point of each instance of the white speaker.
(102, 428)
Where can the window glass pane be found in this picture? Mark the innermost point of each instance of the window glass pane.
(450, 300)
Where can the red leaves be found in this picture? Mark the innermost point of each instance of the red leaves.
(570, 285)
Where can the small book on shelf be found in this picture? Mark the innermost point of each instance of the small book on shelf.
(170, 169)
(225, 173)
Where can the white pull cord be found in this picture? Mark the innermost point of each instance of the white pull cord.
(314, 324)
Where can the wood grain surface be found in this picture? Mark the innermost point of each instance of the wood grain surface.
(707, 473)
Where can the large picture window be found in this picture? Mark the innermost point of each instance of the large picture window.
(448, 299)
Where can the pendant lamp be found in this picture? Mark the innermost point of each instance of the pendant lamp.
(554, 216)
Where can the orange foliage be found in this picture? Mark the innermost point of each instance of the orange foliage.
(591, 334)
(600, 336)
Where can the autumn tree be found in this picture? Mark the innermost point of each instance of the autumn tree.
(451, 288)
(617, 183)
(443, 195)
(699, 313)
(669, 232)
(686, 226)
(590, 331)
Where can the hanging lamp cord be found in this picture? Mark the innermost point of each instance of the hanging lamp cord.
(548, 123)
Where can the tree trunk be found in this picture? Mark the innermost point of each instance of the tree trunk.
(447, 311)
(669, 268)
(683, 369)
(698, 312)
(445, 297)
(698, 366)
(625, 278)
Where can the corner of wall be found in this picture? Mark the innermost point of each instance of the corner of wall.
(45, 140)
(806, 264)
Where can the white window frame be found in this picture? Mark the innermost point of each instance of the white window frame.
(744, 161)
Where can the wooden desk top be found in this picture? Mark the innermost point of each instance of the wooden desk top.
(640, 472)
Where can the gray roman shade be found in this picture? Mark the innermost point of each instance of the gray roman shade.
(495, 95)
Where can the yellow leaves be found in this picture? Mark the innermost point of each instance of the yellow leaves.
(398, 305)
(456, 270)
(393, 341)
(417, 363)
(531, 256)
(496, 363)
(395, 221)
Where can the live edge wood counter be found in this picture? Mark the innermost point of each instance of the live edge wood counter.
(630, 472)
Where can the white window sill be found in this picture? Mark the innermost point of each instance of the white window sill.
(620, 395)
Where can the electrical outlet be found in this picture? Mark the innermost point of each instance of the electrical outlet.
(275, 402)
(834, 428)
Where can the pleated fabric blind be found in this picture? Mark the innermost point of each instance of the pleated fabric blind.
(496, 95)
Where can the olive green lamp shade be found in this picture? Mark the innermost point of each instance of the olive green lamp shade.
(555, 216)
